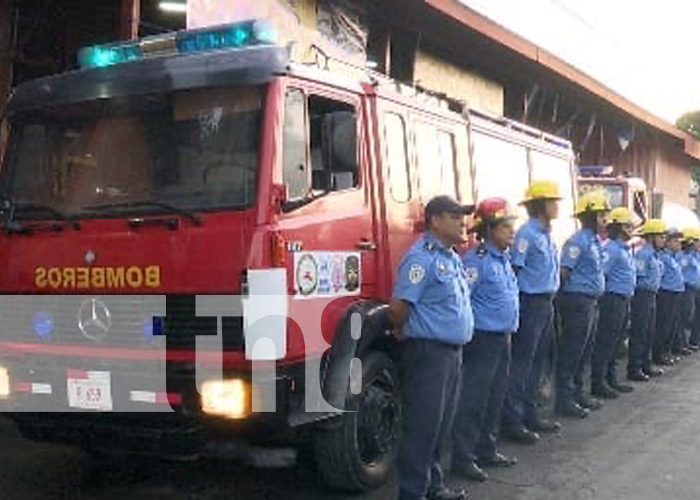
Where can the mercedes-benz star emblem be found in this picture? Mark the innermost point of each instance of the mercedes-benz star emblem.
(94, 319)
(90, 257)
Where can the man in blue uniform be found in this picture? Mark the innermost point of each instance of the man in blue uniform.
(494, 296)
(669, 300)
(643, 327)
(620, 281)
(694, 340)
(691, 277)
(432, 315)
(535, 260)
(582, 283)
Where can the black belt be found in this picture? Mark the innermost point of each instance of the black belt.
(549, 296)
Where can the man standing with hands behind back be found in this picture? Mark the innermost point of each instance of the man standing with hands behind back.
(432, 314)
(535, 259)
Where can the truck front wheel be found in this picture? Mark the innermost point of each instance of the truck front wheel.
(356, 452)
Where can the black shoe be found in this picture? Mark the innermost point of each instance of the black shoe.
(653, 371)
(664, 361)
(497, 461)
(543, 425)
(638, 376)
(603, 390)
(572, 409)
(446, 493)
(520, 434)
(469, 470)
(588, 402)
(620, 387)
(694, 347)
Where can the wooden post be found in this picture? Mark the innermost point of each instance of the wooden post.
(130, 19)
(5, 50)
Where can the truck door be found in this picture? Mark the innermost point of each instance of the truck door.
(326, 222)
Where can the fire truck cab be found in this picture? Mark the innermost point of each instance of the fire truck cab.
(622, 191)
(177, 171)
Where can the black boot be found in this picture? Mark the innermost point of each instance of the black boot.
(588, 402)
(543, 425)
(519, 434)
(471, 471)
(620, 387)
(445, 493)
(638, 376)
(653, 371)
(496, 460)
(602, 390)
(570, 408)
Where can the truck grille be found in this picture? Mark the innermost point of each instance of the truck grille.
(112, 320)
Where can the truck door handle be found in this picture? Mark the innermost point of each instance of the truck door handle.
(365, 244)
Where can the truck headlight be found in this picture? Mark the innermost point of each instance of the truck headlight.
(228, 398)
(4, 382)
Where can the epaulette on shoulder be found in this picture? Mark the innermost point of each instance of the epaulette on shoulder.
(481, 250)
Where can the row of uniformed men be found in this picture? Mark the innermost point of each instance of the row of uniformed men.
(455, 317)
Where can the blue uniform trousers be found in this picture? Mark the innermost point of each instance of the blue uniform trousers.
(612, 322)
(430, 377)
(668, 306)
(642, 331)
(685, 322)
(695, 326)
(530, 352)
(578, 319)
(484, 383)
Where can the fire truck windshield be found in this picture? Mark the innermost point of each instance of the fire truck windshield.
(192, 150)
(615, 192)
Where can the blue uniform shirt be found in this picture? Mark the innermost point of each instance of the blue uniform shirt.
(690, 267)
(431, 278)
(672, 276)
(582, 255)
(536, 256)
(494, 289)
(619, 268)
(649, 268)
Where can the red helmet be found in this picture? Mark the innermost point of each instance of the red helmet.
(493, 210)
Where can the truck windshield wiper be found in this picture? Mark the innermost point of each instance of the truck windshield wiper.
(11, 207)
(196, 220)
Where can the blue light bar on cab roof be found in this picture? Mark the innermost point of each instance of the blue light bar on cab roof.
(231, 36)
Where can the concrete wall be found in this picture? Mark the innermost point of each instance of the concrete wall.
(433, 73)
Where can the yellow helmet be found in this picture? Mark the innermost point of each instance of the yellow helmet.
(654, 226)
(592, 201)
(542, 190)
(621, 215)
(691, 233)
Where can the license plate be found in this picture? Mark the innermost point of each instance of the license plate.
(89, 390)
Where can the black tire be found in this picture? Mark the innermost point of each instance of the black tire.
(357, 452)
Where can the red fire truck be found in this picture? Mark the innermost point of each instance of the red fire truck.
(204, 164)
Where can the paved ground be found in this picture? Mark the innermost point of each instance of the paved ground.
(645, 446)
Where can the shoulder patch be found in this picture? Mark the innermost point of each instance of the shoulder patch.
(472, 274)
(416, 273)
(574, 251)
(523, 245)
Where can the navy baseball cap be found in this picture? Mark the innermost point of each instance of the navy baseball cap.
(446, 204)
